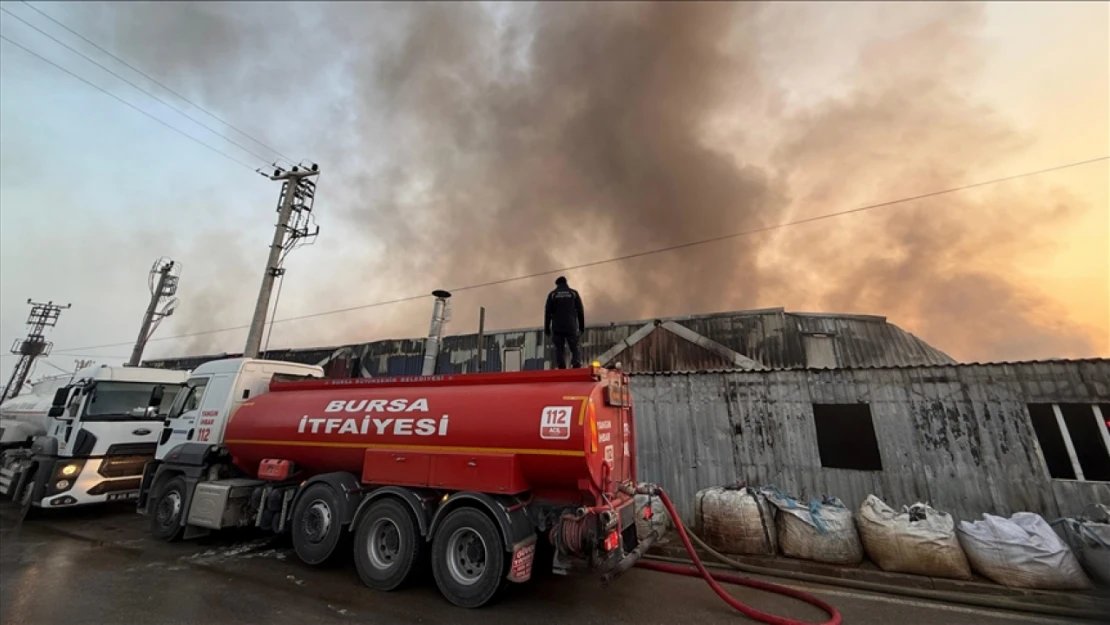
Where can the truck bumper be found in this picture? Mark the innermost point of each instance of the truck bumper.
(89, 486)
(69, 482)
(629, 560)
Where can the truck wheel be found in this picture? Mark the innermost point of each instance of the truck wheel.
(317, 526)
(468, 558)
(388, 545)
(26, 496)
(169, 505)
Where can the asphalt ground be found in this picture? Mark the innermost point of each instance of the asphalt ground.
(100, 566)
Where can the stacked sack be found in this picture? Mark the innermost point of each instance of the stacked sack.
(1089, 538)
(660, 520)
(736, 519)
(919, 540)
(822, 531)
(1021, 552)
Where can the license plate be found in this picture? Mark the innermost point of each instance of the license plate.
(128, 495)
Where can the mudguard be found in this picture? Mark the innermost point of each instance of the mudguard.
(420, 505)
(345, 485)
(508, 512)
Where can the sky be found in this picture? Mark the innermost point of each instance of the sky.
(461, 144)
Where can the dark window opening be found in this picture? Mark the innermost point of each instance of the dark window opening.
(1090, 446)
(846, 437)
(1051, 441)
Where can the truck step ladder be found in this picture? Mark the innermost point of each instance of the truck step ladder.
(8, 478)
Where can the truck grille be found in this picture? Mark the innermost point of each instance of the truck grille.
(123, 466)
(115, 486)
(132, 449)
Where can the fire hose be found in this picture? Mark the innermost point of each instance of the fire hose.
(713, 578)
(678, 566)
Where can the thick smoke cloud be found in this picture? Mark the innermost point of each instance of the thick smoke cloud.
(466, 144)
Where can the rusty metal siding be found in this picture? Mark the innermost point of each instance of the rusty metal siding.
(959, 436)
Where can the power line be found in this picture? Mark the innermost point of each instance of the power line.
(102, 89)
(66, 353)
(635, 255)
(94, 62)
(155, 81)
(50, 364)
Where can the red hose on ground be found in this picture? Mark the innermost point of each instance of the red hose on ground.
(713, 578)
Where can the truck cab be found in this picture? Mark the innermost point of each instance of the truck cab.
(90, 439)
(211, 395)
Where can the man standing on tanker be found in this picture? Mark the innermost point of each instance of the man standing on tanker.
(564, 320)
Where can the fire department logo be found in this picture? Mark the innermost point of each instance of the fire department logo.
(555, 423)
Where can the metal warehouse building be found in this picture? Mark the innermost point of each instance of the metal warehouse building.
(758, 339)
(845, 405)
(969, 438)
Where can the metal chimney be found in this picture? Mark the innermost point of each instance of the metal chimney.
(435, 332)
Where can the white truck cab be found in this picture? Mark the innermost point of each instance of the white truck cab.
(89, 441)
(214, 391)
(197, 417)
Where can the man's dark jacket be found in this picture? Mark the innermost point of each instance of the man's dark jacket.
(563, 313)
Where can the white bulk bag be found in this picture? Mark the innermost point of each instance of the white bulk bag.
(921, 540)
(736, 520)
(1089, 539)
(1021, 552)
(823, 531)
(660, 520)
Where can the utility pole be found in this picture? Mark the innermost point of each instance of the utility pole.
(42, 316)
(294, 224)
(163, 285)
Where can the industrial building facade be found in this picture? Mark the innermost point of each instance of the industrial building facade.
(815, 404)
(969, 438)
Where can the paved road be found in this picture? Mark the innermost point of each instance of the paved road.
(48, 577)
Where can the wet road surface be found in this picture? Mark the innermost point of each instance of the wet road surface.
(51, 572)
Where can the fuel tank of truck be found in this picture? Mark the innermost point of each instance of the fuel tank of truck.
(502, 433)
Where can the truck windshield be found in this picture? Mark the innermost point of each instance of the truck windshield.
(127, 401)
(189, 398)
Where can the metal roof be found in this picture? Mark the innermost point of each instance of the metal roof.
(985, 363)
(755, 339)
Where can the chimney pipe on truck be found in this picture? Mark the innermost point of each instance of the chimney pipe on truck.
(435, 332)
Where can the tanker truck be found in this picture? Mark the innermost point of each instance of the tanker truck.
(83, 439)
(469, 475)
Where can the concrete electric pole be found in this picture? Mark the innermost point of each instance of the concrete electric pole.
(294, 224)
(42, 316)
(164, 276)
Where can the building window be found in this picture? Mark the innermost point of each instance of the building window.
(511, 359)
(846, 437)
(1074, 440)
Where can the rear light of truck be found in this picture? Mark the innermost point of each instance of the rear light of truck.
(612, 541)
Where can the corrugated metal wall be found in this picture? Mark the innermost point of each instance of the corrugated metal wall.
(959, 437)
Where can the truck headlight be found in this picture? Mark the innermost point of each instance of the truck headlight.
(61, 484)
(70, 469)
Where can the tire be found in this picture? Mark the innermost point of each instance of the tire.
(317, 525)
(25, 496)
(468, 558)
(166, 511)
(388, 546)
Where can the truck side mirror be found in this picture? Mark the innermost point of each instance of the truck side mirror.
(156, 395)
(60, 396)
(56, 411)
